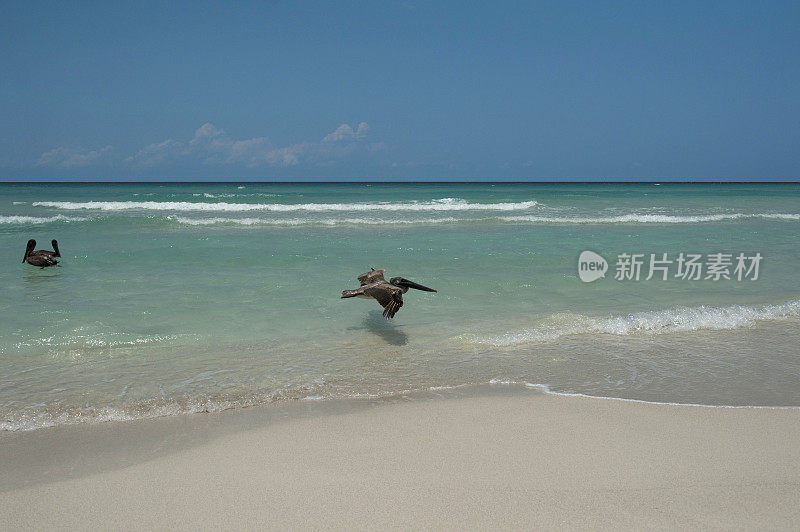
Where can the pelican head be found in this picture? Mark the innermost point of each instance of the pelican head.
(405, 284)
(29, 248)
(54, 242)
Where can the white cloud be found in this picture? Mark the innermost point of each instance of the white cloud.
(71, 157)
(343, 132)
(211, 145)
(158, 153)
(207, 130)
(288, 156)
(346, 133)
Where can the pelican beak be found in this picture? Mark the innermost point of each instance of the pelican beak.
(411, 284)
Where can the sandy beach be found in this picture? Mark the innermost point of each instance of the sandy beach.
(471, 460)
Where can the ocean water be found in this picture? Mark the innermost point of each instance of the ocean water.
(181, 298)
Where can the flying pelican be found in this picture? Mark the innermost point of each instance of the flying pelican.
(389, 295)
(37, 258)
(47, 253)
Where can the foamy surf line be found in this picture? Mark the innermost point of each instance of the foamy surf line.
(21, 220)
(184, 405)
(368, 220)
(657, 322)
(532, 220)
(445, 204)
(228, 195)
(649, 218)
(310, 222)
(176, 406)
(544, 388)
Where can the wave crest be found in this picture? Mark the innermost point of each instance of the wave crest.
(444, 204)
(318, 222)
(657, 322)
(650, 218)
(39, 220)
(463, 220)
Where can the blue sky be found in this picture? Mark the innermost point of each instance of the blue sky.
(400, 90)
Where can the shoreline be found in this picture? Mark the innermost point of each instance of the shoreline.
(495, 456)
(491, 386)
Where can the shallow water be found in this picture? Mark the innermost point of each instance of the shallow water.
(176, 298)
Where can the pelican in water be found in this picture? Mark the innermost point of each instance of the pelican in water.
(388, 294)
(55, 253)
(40, 258)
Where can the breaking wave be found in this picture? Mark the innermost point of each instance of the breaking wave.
(229, 195)
(370, 221)
(39, 220)
(317, 222)
(657, 322)
(445, 204)
(652, 219)
(649, 218)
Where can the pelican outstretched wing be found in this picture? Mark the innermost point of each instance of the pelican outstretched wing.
(375, 276)
(390, 297)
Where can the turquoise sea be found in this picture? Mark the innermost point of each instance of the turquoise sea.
(181, 298)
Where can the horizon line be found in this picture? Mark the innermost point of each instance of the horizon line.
(334, 182)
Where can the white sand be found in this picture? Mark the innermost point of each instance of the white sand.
(468, 462)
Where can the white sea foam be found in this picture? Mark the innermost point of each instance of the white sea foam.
(544, 388)
(434, 206)
(39, 220)
(652, 219)
(648, 218)
(142, 410)
(306, 221)
(227, 195)
(82, 337)
(43, 417)
(356, 221)
(445, 204)
(657, 322)
(56, 415)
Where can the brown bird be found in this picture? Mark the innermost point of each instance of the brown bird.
(38, 258)
(55, 253)
(388, 294)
